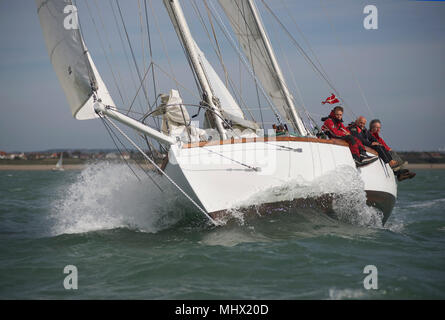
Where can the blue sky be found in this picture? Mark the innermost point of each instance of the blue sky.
(400, 67)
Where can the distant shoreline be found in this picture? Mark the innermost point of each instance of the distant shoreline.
(38, 167)
(49, 167)
(414, 166)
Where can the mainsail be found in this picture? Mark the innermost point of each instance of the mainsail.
(70, 58)
(246, 24)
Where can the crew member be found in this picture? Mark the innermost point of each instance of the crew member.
(375, 126)
(334, 128)
(358, 130)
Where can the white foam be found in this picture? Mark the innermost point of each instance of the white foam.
(108, 196)
(340, 294)
(344, 183)
(427, 204)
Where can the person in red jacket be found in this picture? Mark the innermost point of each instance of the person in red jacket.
(358, 130)
(374, 127)
(334, 128)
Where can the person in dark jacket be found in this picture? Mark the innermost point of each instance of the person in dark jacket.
(334, 128)
(358, 130)
(374, 127)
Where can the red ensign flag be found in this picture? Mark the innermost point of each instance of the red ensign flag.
(331, 100)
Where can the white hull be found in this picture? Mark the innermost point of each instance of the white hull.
(218, 176)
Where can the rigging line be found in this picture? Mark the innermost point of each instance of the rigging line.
(132, 52)
(156, 121)
(305, 39)
(284, 147)
(257, 169)
(239, 99)
(104, 51)
(216, 42)
(125, 51)
(266, 55)
(301, 50)
(308, 59)
(189, 61)
(104, 119)
(164, 48)
(241, 12)
(117, 147)
(137, 91)
(166, 54)
(165, 174)
(150, 49)
(297, 45)
(208, 35)
(223, 27)
(253, 68)
(286, 60)
(109, 45)
(193, 93)
(142, 35)
(344, 54)
(126, 110)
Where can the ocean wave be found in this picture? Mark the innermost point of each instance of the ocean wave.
(427, 203)
(109, 196)
(341, 294)
(344, 185)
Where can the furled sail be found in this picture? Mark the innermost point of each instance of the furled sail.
(69, 56)
(249, 30)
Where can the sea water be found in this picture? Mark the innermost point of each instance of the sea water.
(131, 239)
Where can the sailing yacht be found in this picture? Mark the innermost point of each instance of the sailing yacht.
(222, 164)
(59, 164)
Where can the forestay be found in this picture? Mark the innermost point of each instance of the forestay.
(249, 30)
(70, 58)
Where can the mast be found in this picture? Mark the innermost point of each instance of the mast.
(296, 121)
(177, 16)
(248, 27)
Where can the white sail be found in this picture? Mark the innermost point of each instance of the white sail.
(59, 163)
(229, 107)
(249, 30)
(69, 56)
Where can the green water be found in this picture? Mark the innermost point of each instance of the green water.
(129, 241)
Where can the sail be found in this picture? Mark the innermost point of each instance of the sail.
(69, 56)
(207, 76)
(249, 30)
(229, 107)
(59, 163)
(228, 103)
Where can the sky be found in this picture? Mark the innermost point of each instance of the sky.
(395, 73)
